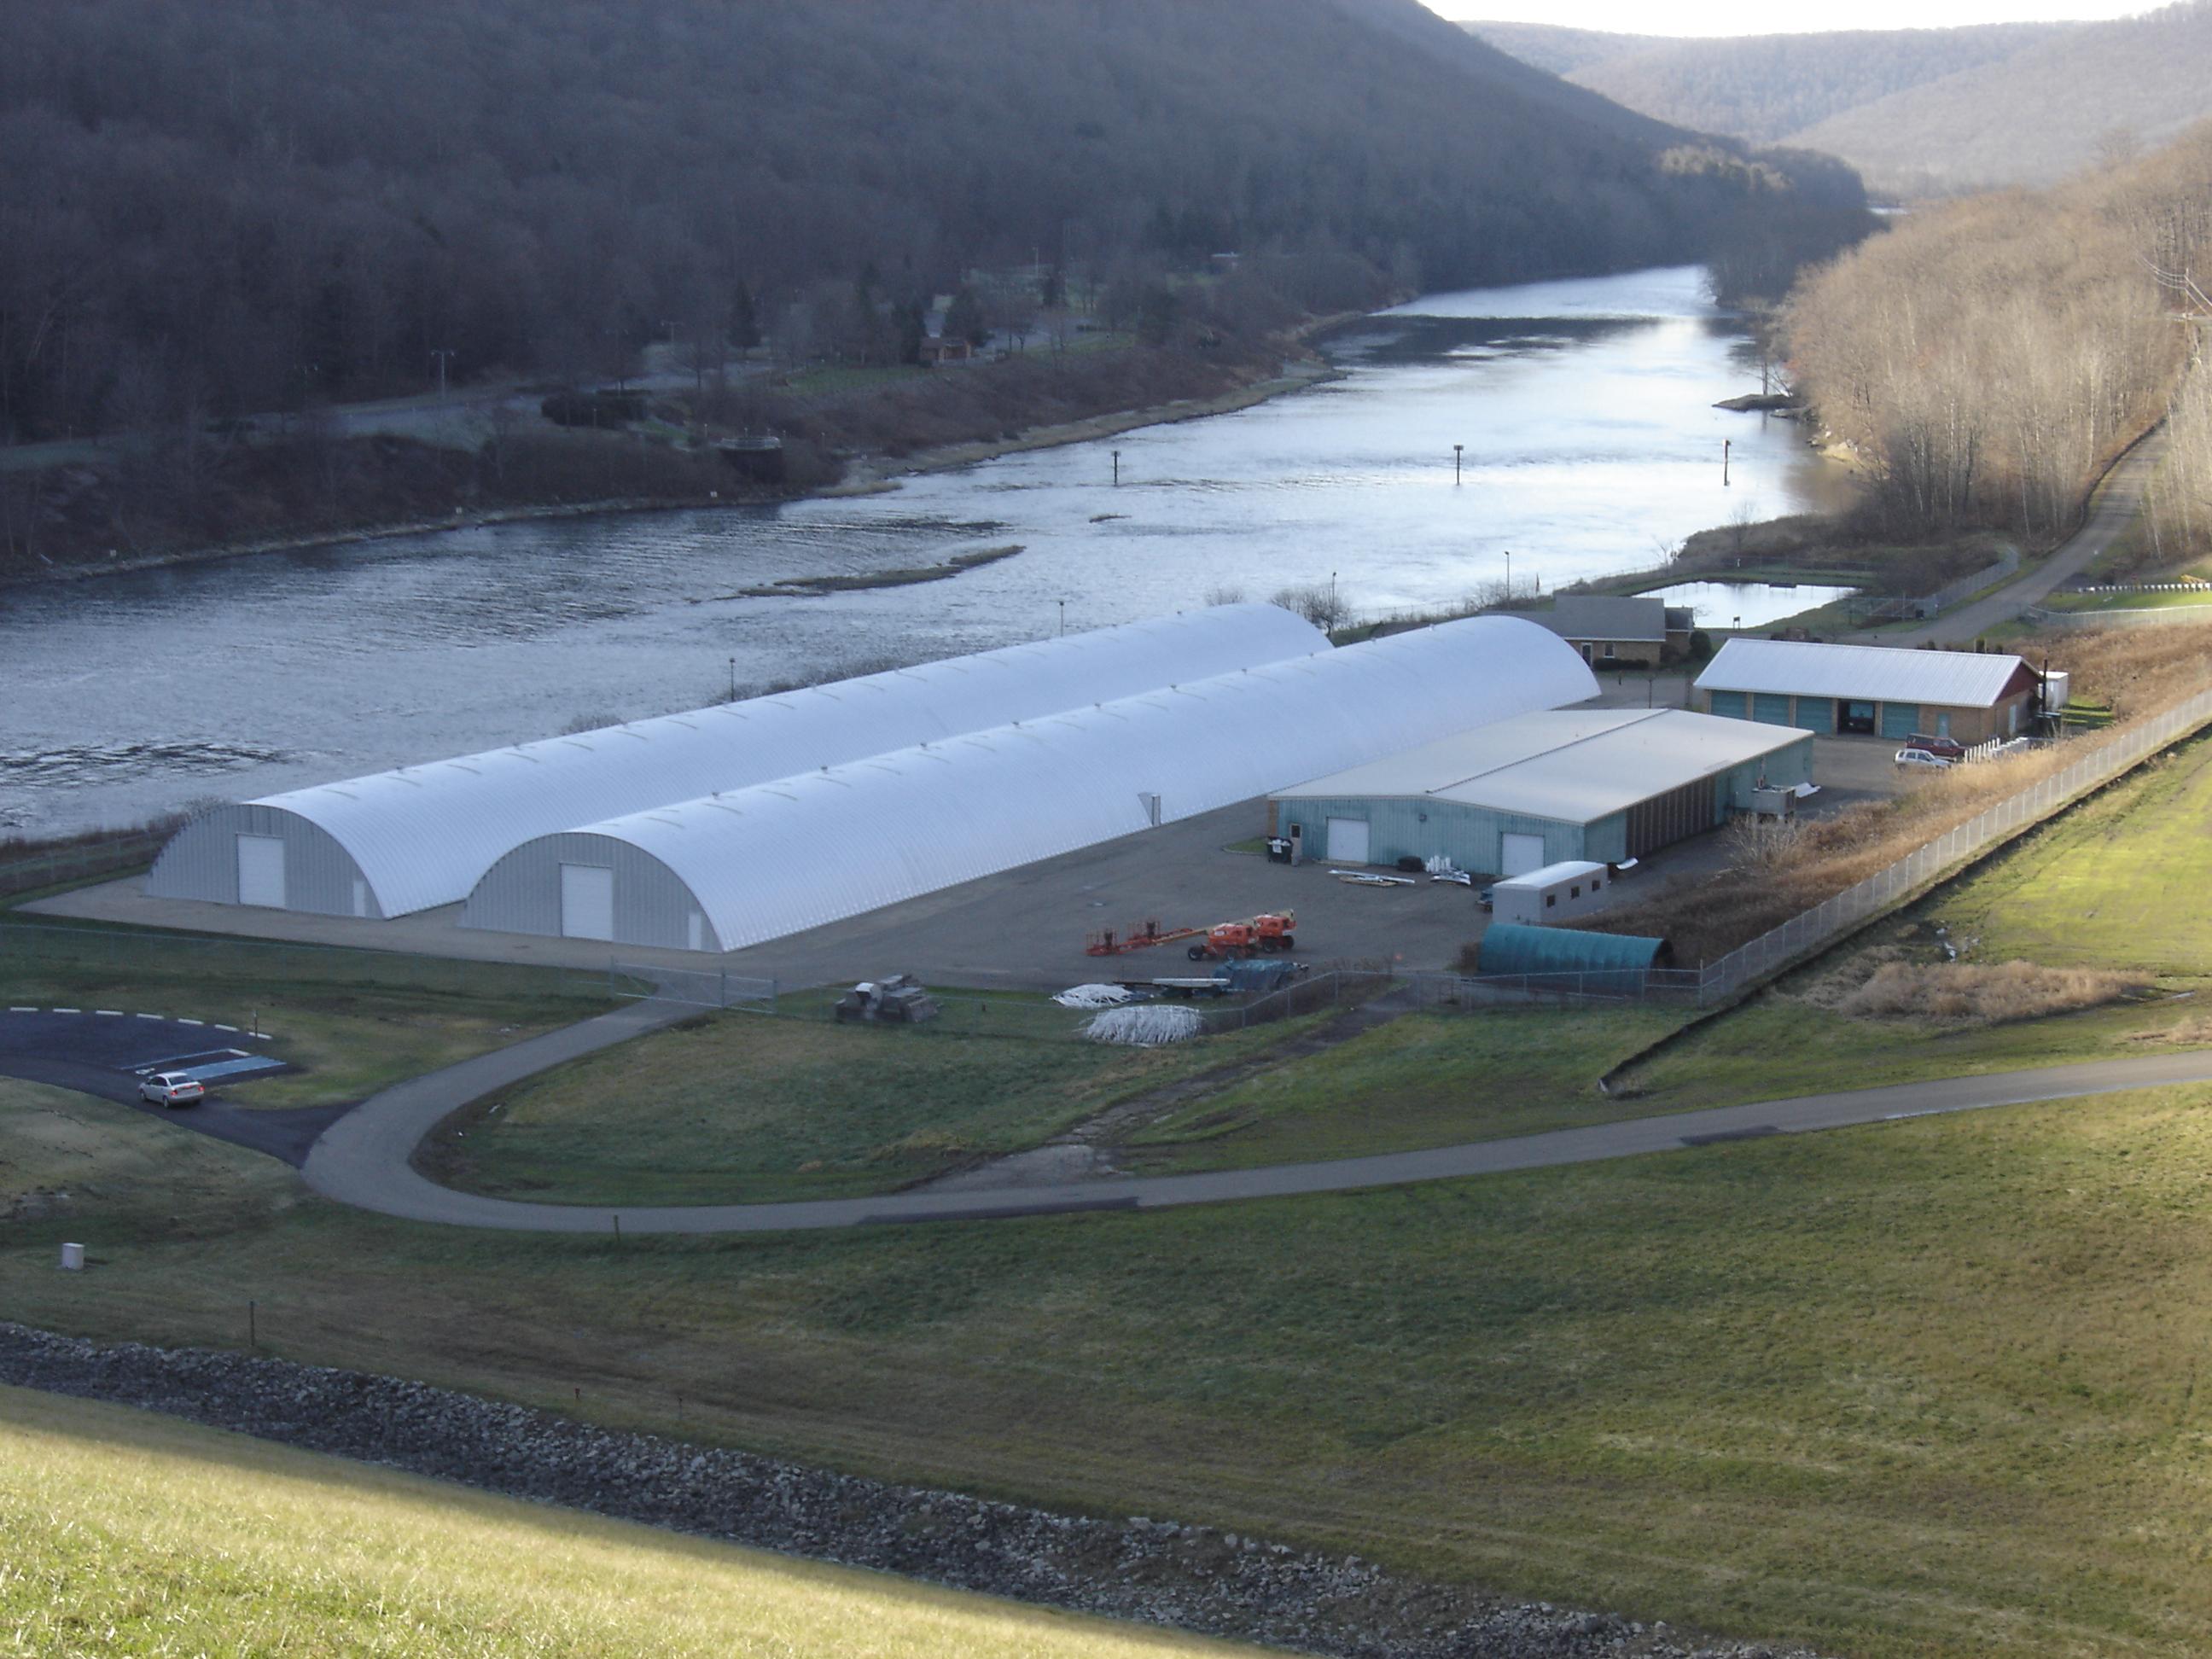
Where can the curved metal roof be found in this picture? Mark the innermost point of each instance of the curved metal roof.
(423, 834)
(790, 855)
(1619, 959)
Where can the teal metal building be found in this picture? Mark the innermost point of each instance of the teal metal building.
(1605, 785)
(1608, 963)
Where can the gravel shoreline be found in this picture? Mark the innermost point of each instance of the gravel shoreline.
(1158, 1572)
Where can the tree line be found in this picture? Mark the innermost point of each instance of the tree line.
(1986, 361)
(233, 206)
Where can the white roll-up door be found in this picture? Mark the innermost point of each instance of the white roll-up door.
(261, 870)
(1518, 855)
(587, 901)
(1348, 841)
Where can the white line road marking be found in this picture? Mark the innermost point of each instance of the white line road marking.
(220, 1028)
(191, 1022)
(112, 1013)
(65, 1011)
(149, 1016)
(22, 1010)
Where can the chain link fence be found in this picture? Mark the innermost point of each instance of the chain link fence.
(1886, 888)
(43, 960)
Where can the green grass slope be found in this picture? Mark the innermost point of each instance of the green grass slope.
(131, 1534)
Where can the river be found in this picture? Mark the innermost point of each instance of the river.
(1589, 445)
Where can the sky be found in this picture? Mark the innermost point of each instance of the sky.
(1710, 17)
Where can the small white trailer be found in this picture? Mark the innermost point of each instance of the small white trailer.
(1550, 895)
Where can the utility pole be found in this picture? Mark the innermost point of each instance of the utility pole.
(444, 355)
(1455, 450)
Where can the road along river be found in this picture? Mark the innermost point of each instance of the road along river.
(1587, 446)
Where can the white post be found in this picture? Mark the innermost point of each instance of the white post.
(72, 1258)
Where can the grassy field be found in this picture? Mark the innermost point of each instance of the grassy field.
(739, 1107)
(353, 1021)
(1422, 1080)
(1923, 1389)
(133, 1533)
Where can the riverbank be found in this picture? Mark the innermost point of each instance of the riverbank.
(1295, 364)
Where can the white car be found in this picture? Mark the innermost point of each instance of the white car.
(171, 1089)
(1922, 757)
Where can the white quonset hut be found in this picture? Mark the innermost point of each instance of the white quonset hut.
(746, 866)
(420, 836)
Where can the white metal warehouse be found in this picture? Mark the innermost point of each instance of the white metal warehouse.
(422, 836)
(1519, 794)
(746, 866)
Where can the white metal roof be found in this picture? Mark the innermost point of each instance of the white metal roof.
(1872, 673)
(1576, 765)
(786, 855)
(1565, 870)
(423, 834)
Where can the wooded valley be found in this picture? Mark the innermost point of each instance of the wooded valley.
(1986, 360)
(237, 206)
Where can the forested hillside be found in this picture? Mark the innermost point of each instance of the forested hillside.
(2098, 90)
(233, 205)
(1986, 359)
(1768, 88)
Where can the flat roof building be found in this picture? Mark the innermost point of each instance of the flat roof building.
(1871, 691)
(1515, 795)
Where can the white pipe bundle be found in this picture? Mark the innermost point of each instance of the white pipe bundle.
(1147, 1026)
(1094, 996)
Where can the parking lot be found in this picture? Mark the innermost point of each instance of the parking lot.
(106, 1051)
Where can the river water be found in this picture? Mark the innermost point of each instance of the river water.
(1589, 446)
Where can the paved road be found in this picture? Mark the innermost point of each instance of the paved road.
(363, 1159)
(2114, 504)
(100, 1055)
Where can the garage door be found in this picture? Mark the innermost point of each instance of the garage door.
(587, 901)
(1899, 719)
(261, 870)
(1817, 713)
(1728, 704)
(1348, 841)
(1518, 855)
(1774, 710)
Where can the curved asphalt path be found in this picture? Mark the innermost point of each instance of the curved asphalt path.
(2113, 505)
(363, 1159)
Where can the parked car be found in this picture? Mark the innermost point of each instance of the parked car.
(1942, 748)
(1921, 757)
(172, 1089)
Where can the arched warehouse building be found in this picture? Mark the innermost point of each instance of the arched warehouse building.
(419, 836)
(735, 869)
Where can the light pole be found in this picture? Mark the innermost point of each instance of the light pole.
(1455, 450)
(1117, 466)
(1725, 444)
(733, 679)
(1509, 575)
(444, 355)
(1063, 616)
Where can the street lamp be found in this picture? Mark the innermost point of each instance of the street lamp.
(1509, 576)
(1063, 616)
(1455, 450)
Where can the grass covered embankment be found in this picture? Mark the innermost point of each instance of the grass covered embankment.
(1923, 1388)
(134, 1533)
